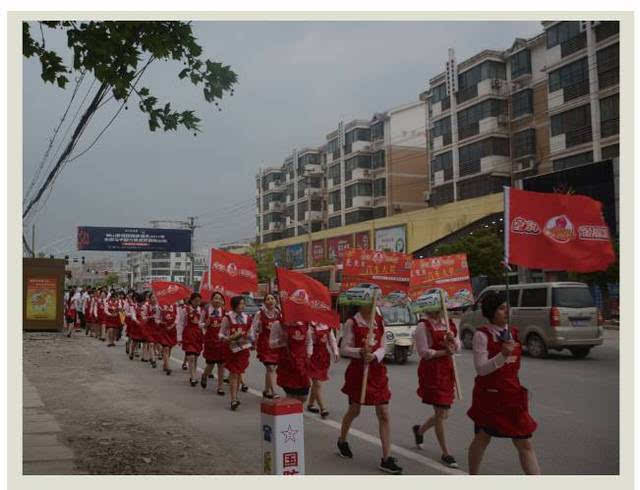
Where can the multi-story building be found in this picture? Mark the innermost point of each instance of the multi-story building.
(367, 169)
(545, 104)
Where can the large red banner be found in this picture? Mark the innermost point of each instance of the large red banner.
(447, 272)
(232, 274)
(336, 247)
(388, 270)
(556, 232)
(304, 299)
(168, 293)
(205, 289)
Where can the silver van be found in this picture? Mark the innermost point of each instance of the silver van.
(548, 315)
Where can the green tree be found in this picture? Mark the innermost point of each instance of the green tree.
(112, 280)
(118, 54)
(485, 251)
(264, 258)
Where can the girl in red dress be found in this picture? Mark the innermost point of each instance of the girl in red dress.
(436, 342)
(135, 327)
(500, 403)
(293, 360)
(214, 348)
(166, 318)
(261, 331)
(325, 347)
(192, 337)
(148, 315)
(234, 331)
(354, 344)
(111, 318)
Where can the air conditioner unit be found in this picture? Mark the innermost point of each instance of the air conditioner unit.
(426, 196)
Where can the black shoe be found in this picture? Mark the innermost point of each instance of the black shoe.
(126, 347)
(269, 396)
(153, 364)
(313, 409)
(220, 392)
(184, 366)
(168, 371)
(211, 376)
(449, 461)
(344, 450)
(203, 381)
(244, 388)
(226, 381)
(193, 381)
(234, 405)
(389, 466)
(419, 438)
(324, 414)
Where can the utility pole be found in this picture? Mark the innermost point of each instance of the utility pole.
(307, 183)
(192, 228)
(33, 240)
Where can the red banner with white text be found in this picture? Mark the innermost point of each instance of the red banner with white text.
(447, 272)
(168, 293)
(232, 274)
(389, 271)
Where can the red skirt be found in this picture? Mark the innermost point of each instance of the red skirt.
(153, 332)
(214, 348)
(238, 362)
(436, 382)
(266, 354)
(319, 363)
(192, 339)
(503, 413)
(377, 383)
(133, 329)
(112, 321)
(168, 336)
(292, 370)
(101, 318)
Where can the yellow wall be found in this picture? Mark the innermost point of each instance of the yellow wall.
(424, 226)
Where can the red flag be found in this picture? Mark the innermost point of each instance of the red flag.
(556, 232)
(232, 274)
(388, 270)
(168, 293)
(304, 299)
(205, 289)
(447, 272)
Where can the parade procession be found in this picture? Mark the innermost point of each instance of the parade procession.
(278, 248)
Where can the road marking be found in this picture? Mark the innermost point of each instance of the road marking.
(430, 462)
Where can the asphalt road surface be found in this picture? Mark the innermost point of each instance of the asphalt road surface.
(123, 417)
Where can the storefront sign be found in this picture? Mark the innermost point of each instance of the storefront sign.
(393, 239)
(363, 240)
(41, 298)
(318, 251)
(336, 247)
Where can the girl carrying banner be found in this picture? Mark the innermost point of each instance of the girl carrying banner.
(500, 402)
(354, 345)
(214, 348)
(325, 349)
(192, 337)
(436, 342)
(295, 349)
(235, 332)
(261, 330)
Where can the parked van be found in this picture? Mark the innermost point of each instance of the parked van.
(548, 315)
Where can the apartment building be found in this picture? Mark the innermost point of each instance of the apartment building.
(367, 169)
(545, 104)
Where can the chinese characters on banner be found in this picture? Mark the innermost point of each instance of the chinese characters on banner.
(336, 247)
(388, 270)
(168, 293)
(41, 298)
(448, 272)
(232, 274)
(317, 251)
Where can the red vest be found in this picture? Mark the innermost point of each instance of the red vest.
(504, 379)
(361, 330)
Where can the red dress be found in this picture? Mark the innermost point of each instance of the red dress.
(436, 381)
(214, 347)
(500, 402)
(293, 366)
(192, 337)
(111, 317)
(100, 309)
(130, 309)
(320, 359)
(168, 334)
(266, 354)
(237, 362)
(377, 391)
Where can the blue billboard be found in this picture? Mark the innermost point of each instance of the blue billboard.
(133, 239)
(295, 256)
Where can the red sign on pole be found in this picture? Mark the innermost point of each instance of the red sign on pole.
(448, 272)
(388, 270)
(232, 274)
(336, 247)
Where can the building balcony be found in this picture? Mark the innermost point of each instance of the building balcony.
(560, 97)
(467, 94)
(495, 87)
(312, 215)
(275, 206)
(333, 209)
(360, 173)
(275, 226)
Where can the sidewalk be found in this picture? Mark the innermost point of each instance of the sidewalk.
(42, 452)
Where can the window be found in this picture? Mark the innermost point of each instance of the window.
(470, 155)
(524, 143)
(334, 174)
(481, 186)
(358, 134)
(522, 103)
(468, 119)
(439, 93)
(611, 151)
(359, 189)
(160, 255)
(562, 32)
(607, 29)
(444, 162)
(513, 296)
(534, 297)
(334, 148)
(334, 198)
(574, 124)
(442, 127)
(574, 76)
(608, 60)
(160, 272)
(380, 187)
(378, 159)
(358, 216)
(165, 265)
(520, 63)
(377, 131)
(572, 297)
(483, 71)
(335, 221)
(441, 194)
(379, 212)
(610, 116)
(573, 161)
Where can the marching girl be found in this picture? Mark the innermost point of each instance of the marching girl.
(128, 321)
(261, 331)
(111, 319)
(235, 332)
(325, 348)
(69, 313)
(500, 403)
(436, 342)
(149, 329)
(192, 337)
(100, 307)
(293, 359)
(166, 320)
(354, 345)
(136, 325)
(214, 348)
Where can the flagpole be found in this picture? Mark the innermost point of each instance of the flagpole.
(445, 314)
(365, 374)
(505, 229)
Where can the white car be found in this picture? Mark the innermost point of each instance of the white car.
(363, 292)
(464, 297)
(430, 300)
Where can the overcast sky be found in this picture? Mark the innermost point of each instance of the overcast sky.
(296, 80)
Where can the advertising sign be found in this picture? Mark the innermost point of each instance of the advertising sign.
(382, 272)
(393, 239)
(232, 274)
(336, 247)
(317, 251)
(448, 272)
(41, 298)
(296, 256)
(133, 239)
(363, 240)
